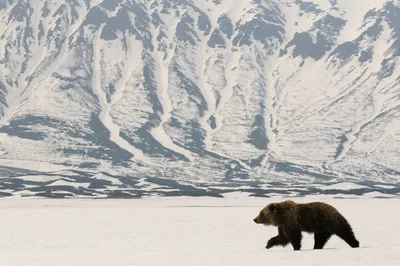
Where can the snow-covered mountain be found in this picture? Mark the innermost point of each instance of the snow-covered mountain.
(108, 97)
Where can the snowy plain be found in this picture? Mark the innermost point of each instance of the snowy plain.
(183, 231)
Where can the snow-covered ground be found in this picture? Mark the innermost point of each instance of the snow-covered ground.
(182, 231)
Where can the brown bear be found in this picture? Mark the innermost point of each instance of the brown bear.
(293, 218)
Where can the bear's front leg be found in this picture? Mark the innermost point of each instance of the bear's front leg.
(272, 242)
(279, 240)
(294, 236)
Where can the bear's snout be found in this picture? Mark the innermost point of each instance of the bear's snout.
(256, 220)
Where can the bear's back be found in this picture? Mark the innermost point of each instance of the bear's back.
(317, 216)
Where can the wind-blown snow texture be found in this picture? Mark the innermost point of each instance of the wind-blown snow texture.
(182, 231)
(199, 92)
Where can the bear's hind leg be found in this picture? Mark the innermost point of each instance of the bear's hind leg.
(345, 232)
(320, 239)
(349, 238)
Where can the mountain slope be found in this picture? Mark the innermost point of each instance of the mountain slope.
(202, 91)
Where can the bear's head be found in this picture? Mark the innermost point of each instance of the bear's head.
(266, 215)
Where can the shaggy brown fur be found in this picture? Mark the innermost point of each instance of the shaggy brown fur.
(293, 218)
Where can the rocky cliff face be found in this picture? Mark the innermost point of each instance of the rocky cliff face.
(197, 91)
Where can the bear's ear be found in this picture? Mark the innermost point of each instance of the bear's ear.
(271, 208)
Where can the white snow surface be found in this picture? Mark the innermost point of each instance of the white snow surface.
(183, 231)
(344, 186)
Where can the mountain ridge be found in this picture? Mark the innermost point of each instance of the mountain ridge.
(202, 91)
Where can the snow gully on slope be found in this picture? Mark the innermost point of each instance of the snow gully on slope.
(104, 115)
(162, 76)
